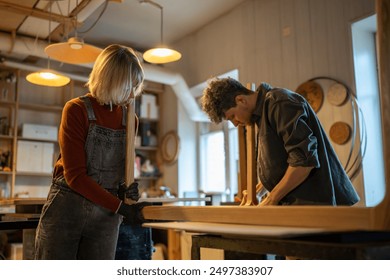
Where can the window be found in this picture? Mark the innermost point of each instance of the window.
(219, 159)
(217, 168)
(367, 90)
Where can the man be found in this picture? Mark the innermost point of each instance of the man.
(296, 163)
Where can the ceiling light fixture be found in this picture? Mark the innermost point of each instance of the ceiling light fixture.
(74, 51)
(161, 54)
(48, 77)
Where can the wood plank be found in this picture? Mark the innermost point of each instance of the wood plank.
(382, 217)
(251, 198)
(174, 248)
(242, 161)
(306, 249)
(237, 230)
(338, 218)
(130, 151)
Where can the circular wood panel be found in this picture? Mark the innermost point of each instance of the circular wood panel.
(340, 132)
(313, 93)
(337, 94)
(170, 146)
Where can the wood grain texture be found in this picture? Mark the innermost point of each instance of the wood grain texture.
(130, 151)
(338, 218)
(242, 184)
(381, 216)
(251, 165)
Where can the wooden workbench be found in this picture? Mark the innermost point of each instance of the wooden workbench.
(254, 242)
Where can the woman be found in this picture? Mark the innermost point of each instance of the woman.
(82, 214)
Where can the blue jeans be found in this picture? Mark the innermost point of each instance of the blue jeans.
(134, 243)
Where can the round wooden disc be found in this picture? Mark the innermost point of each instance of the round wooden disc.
(340, 132)
(313, 93)
(337, 94)
(170, 146)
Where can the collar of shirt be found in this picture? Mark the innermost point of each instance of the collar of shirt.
(261, 91)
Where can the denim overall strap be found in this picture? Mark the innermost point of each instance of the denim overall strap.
(124, 115)
(105, 150)
(88, 105)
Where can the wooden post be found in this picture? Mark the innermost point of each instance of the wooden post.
(130, 153)
(251, 165)
(174, 248)
(251, 161)
(383, 42)
(242, 162)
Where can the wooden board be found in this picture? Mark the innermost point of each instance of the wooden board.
(242, 161)
(327, 217)
(251, 180)
(234, 229)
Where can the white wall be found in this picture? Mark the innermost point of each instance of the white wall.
(168, 121)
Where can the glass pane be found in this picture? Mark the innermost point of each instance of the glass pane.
(213, 162)
(234, 161)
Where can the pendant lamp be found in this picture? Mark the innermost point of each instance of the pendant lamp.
(48, 77)
(160, 54)
(74, 51)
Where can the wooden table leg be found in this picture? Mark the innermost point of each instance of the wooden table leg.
(195, 248)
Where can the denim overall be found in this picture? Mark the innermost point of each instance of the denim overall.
(72, 227)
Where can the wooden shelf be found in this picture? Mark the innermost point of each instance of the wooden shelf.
(6, 137)
(38, 140)
(38, 107)
(38, 174)
(8, 103)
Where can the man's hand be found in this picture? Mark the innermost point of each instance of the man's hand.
(268, 200)
(129, 192)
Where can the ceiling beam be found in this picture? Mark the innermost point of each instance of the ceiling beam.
(38, 13)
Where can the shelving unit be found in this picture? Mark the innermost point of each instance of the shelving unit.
(147, 106)
(7, 134)
(28, 103)
(22, 102)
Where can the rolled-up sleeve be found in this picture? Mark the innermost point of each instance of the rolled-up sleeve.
(291, 124)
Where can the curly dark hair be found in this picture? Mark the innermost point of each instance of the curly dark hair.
(220, 95)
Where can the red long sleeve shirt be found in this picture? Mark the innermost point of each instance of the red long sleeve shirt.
(72, 136)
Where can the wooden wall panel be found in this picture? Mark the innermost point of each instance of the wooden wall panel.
(303, 42)
(287, 35)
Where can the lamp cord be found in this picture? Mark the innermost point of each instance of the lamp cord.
(161, 16)
(96, 21)
(49, 35)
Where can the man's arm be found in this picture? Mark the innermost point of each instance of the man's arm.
(293, 177)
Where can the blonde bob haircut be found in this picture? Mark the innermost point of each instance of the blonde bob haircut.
(117, 76)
